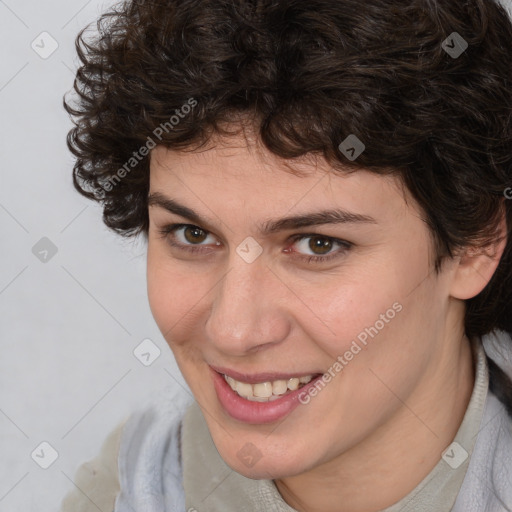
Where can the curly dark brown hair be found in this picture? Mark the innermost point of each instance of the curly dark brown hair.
(306, 74)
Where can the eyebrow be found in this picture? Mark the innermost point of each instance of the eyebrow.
(335, 216)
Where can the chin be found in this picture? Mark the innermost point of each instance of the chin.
(265, 469)
(264, 460)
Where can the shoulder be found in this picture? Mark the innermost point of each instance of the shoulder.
(498, 349)
(487, 483)
(97, 481)
(124, 471)
(150, 467)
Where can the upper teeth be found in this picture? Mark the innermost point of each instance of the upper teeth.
(266, 391)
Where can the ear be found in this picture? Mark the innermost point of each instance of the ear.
(477, 265)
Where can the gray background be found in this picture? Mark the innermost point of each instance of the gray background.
(68, 325)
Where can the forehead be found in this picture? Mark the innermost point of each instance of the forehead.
(232, 174)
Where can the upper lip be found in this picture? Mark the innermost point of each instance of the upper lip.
(256, 378)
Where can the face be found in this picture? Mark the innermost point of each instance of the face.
(355, 299)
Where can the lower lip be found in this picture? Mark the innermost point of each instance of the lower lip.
(256, 412)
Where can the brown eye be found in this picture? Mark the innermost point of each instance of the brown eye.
(320, 245)
(187, 237)
(194, 234)
(321, 248)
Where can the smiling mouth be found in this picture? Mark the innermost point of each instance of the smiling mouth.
(267, 391)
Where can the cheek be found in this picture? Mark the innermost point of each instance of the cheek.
(349, 304)
(379, 314)
(157, 290)
(388, 341)
(170, 292)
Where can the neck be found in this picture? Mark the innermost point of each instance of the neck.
(389, 464)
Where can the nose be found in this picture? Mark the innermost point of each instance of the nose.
(247, 313)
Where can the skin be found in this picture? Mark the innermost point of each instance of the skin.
(379, 427)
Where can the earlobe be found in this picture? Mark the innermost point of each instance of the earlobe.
(477, 265)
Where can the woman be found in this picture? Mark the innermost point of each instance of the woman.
(324, 188)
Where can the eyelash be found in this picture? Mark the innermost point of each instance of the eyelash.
(169, 229)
